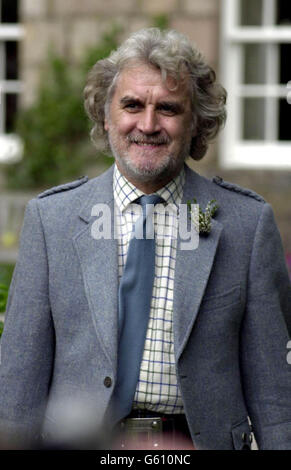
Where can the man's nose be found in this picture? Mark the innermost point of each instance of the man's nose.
(149, 122)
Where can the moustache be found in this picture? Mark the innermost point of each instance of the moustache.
(148, 139)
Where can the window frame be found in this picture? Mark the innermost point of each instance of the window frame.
(234, 151)
(10, 144)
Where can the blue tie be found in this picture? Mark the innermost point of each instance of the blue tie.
(135, 294)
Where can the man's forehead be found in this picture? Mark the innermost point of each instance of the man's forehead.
(139, 80)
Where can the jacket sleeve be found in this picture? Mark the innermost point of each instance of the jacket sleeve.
(27, 343)
(266, 373)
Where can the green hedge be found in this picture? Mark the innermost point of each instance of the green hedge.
(55, 129)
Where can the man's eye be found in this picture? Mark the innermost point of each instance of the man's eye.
(169, 110)
(132, 106)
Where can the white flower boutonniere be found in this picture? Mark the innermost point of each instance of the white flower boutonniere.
(204, 218)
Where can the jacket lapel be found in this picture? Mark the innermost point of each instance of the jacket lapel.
(193, 267)
(99, 265)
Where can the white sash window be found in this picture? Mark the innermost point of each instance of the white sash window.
(10, 85)
(256, 71)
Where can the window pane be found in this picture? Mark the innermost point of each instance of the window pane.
(251, 12)
(284, 120)
(254, 63)
(11, 108)
(9, 11)
(285, 63)
(283, 12)
(11, 72)
(253, 118)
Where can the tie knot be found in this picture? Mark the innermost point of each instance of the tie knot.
(144, 225)
(151, 199)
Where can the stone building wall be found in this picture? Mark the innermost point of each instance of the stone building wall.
(73, 25)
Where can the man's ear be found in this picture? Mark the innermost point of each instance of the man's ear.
(105, 124)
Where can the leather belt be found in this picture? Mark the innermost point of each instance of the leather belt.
(144, 429)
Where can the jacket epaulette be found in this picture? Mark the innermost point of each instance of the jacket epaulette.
(234, 187)
(64, 187)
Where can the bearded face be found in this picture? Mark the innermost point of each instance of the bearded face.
(149, 125)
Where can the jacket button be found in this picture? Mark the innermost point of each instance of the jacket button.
(107, 382)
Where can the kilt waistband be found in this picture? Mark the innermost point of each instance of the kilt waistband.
(144, 429)
(169, 421)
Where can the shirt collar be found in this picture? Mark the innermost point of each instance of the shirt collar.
(125, 192)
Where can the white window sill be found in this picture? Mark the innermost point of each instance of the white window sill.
(256, 155)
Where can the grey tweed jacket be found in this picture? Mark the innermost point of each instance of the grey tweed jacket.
(232, 312)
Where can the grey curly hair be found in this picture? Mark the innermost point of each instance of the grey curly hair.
(172, 53)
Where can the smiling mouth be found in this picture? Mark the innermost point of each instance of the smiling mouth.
(147, 144)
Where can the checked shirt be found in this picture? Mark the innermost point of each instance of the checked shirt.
(157, 387)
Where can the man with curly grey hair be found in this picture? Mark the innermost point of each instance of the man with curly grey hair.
(170, 348)
(173, 57)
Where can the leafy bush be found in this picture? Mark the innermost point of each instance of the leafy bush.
(55, 129)
(3, 297)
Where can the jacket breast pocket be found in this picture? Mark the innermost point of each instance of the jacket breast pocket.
(242, 435)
